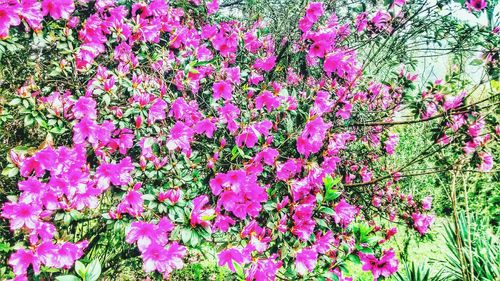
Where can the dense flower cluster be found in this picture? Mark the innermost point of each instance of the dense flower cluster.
(178, 110)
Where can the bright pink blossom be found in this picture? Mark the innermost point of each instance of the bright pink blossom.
(476, 5)
(422, 222)
(21, 215)
(306, 260)
(201, 215)
(385, 266)
(266, 99)
(311, 138)
(58, 8)
(344, 213)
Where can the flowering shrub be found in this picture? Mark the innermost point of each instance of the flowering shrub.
(178, 131)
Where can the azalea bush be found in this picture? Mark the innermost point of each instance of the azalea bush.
(153, 134)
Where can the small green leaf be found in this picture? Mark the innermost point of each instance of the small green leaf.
(93, 271)
(10, 171)
(67, 278)
(4, 247)
(15, 101)
(185, 235)
(354, 258)
(326, 210)
(476, 62)
(239, 270)
(80, 269)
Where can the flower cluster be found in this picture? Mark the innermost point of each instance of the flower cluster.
(174, 127)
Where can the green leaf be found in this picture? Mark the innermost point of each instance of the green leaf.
(80, 269)
(4, 247)
(15, 101)
(354, 258)
(239, 270)
(328, 181)
(331, 193)
(67, 278)
(28, 120)
(327, 210)
(93, 271)
(10, 171)
(186, 235)
(194, 239)
(476, 62)
(234, 152)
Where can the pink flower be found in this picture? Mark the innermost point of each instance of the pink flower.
(303, 223)
(311, 139)
(239, 193)
(142, 232)
(157, 111)
(68, 253)
(205, 126)
(385, 266)
(31, 13)
(391, 143)
(288, 169)
(361, 22)
(341, 63)
(223, 222)
(21, 215)
(476, 5)
(267, 155)
(422, 222)
(200, 215)
(9, 16)
(228, 114)
(212, 7)
(345, 111)
(180, 137)
(268, 100)
(486, 162)
(250, 135)
(314, 11)
(228, 256)
(222, 89)
(264, 269)
(305, 24)
(156, 257)
(344, 213)
(265, 64)
(427, 203)
(22, 259)
(132, 204)
(85, 107)
(324, 243)
(58, 8)
(305, 260)
(117, 174)
(452, 102)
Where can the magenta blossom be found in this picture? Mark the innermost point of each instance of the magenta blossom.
(21, 215)
(200, 215)
(58, 8)
(422, 222)
(222, 89)
(476, 5)
(306, 260)
(228, 256)
(385, 266)
(344, 213)
(486, 162)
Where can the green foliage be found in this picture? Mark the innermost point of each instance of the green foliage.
(474, 250)
(417, 272)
